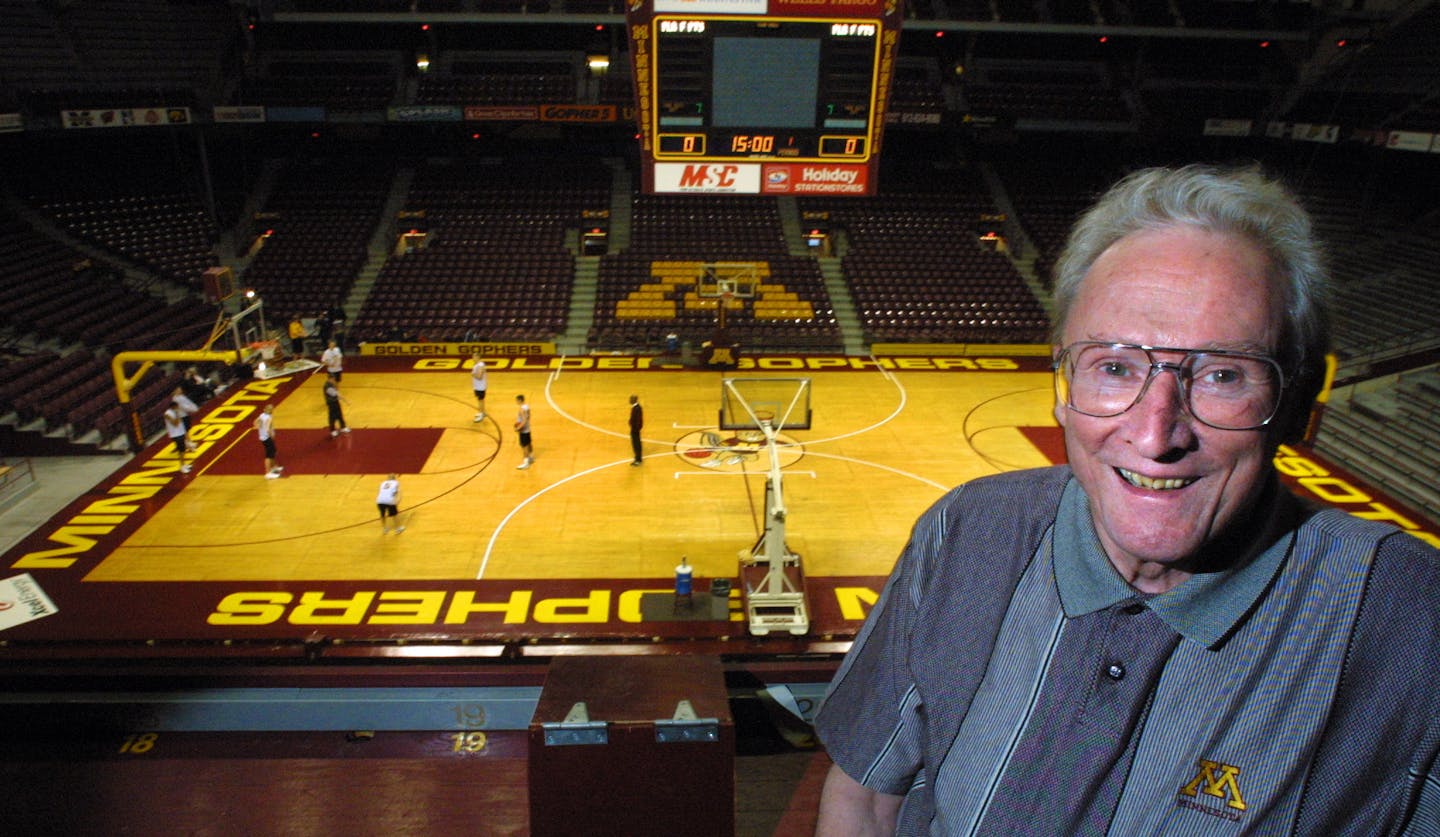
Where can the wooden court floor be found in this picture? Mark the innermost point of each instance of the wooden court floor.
(882, 445)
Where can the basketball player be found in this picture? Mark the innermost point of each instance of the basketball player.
(478, 383)
(333, 400)
(333, 360)
(522, 426)
(265, 431)
(175, 429)
(388, 502)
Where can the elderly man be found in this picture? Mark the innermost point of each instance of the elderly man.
(1157, 639)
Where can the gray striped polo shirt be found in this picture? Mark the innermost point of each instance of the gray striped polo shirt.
(1070, 705)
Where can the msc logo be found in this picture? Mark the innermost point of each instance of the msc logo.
(715, 177)
(1218, 781)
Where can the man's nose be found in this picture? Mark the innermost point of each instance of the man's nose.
(1161, 410)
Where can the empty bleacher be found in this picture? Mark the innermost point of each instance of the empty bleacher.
(152, 53)
(169, 233)
(75, 314)
(918, 273)
(313, 232)
(357, 82)
(1394, 308)
(471, 79)
(1380, 82)
(651, 289)
(1388, 433)
(495, 263)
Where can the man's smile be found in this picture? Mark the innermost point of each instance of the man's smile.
(1153, 483)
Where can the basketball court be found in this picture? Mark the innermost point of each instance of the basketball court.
(578, 552)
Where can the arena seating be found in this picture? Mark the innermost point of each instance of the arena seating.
(644, 298)
(55, 296)
(32, 48)
(313, 233)
(1048, 192)
(74, 392)
(116, 53)
(470, 79)
(362, 82)
(167, 233)
(1389, 436)
(917, 87)
(1378, 83)
(917, 272)
(1403, 288)
(671, 238)
(449, 294)
(1046, 101)
(494, 265)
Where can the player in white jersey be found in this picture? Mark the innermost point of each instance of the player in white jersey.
(265, 431)
(175, 429)
(478, 382)
(522, 427)
(333, 360)
(388, 502)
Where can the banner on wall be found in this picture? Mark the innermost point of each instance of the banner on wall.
(1409, 141)
(125, 117)
(1228, 127)
(1306, 132)
(425, 113)
(239, 113)
(461, 349)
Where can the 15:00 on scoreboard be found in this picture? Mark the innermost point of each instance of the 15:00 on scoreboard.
(787, 145)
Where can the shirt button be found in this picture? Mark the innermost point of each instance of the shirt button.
(1115, 671)
(1133, 609)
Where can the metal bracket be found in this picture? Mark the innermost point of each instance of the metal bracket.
(577, 728)
(686, 727)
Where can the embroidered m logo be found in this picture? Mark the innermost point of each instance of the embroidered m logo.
(1218, 781)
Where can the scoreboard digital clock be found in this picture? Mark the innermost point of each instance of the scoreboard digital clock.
(758, 97)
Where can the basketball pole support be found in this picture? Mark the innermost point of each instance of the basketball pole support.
(771, 576)
(774, 601)
(125, 384)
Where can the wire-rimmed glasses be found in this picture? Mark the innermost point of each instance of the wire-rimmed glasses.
(1225, 390)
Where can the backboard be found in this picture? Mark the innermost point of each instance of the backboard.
(751, 403)
(732, 280)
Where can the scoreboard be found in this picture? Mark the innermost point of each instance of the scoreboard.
(764, 97)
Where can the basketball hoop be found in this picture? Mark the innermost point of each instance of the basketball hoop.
(764, 420)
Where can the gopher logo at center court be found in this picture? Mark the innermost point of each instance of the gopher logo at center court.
(739, 449)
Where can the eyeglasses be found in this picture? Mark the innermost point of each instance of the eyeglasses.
(1225, 390)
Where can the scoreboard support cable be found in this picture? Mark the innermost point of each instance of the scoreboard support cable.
(762, 97)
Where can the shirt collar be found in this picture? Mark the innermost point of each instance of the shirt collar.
(1205, 608)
